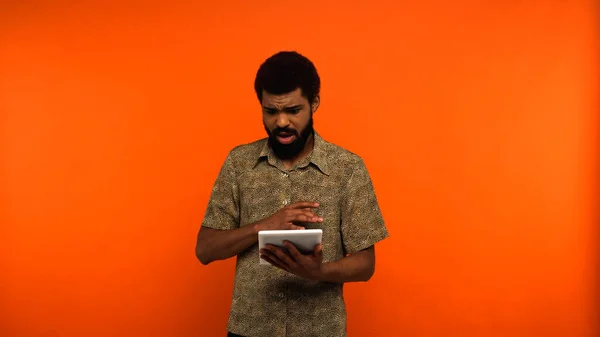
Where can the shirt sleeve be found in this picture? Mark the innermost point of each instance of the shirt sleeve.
(222, 211)
(362, 222)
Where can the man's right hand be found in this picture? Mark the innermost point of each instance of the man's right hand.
(214, 244)
(288, 215)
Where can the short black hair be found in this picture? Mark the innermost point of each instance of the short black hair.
(287, 71)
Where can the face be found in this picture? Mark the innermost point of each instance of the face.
(287, 118)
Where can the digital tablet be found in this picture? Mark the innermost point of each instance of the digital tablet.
(304, 239)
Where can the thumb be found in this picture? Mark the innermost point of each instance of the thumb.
(292, 226)
(319, 250)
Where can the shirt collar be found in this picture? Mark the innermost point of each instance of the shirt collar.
(318, 155)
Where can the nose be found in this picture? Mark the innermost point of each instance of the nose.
(282, 120)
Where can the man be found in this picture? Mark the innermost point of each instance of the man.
(293, 179)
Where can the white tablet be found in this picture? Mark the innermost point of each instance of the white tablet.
(304, 239)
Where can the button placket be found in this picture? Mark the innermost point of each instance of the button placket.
(285, 196)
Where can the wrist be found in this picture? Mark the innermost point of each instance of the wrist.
(323, 274)
(256, 227)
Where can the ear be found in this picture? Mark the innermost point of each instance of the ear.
(315, 104)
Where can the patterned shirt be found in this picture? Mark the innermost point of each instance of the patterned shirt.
(253, 184)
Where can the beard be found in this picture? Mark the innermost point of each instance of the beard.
(289, 151)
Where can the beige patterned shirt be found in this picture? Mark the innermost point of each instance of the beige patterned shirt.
(252, 185)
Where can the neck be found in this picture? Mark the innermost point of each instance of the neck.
(308, 147)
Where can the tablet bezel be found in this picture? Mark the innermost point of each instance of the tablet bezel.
(304, 239)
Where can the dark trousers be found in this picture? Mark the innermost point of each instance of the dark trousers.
(231, 334)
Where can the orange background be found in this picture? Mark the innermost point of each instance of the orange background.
(477, 122)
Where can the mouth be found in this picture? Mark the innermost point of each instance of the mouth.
(286, 138)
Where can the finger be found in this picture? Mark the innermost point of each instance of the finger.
(283, 256)
(304, 216)
(317, 218)
(303, 204)
(293, 250)
(299, 215)
(271, 262)
(270, 257)
(318, 252)
(294, 227)
(313, 217)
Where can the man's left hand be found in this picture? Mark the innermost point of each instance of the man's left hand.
(306, 266)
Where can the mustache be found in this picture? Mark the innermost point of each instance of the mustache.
(279, 131)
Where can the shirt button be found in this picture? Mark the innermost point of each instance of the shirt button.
(280, 295)
(285, 175)
(285, 202)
